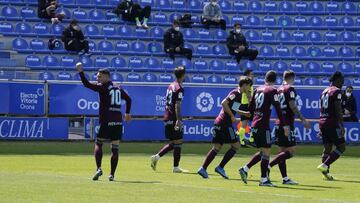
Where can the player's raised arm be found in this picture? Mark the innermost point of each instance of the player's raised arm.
(128, 101)
(85, 81)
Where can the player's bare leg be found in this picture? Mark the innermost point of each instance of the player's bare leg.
(228, 155)
(155, 158)
(209, 158)
(326, 154)
(265, 181)
(114, 158)
(243, 171)
(284, 154)
(98, 153)
(177, 156)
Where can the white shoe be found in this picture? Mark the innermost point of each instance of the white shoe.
(138, 24)
(180, 170)
(145, 26)
(154, 160)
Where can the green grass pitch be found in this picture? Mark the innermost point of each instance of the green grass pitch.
(62, 171)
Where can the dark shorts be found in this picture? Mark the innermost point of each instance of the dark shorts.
(262, 137)
(224, 134)
(171, 133)
(282, 140)
(244, 107)
(332, 135)
(110, 132)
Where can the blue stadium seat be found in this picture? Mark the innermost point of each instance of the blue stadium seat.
(87, 62)
(195, 18)
(200, 64)
(225, 5)
(50, 62)
(67, 2)
(280, 66)
(57, 29)
(64, 76)
(9, 12)
(286, 6)
(33, 61)
(299, 36)
(174, 16)
(155, 47)
(357, 67)
(100, 2)
(239, 5)
(264, 66)
(190, 34)
(122, 46)
(346, 52)
(6, 27)
(189, 46)
(219, 50)
(349, 7)
(152, 63)
(91, 30)
(83, 2)
(285, 21)
(358, 36)
(311, 81)
(197, 78)
(299, 51)
(96, 15)
(162, 4)
(252, 35)
(325, 81)
(255, 5)
(283, 35)
(117, 77)
(102, 62)
(23, 28)
(203, 49)
(141, 33)
(332, 6)
(77, 77)
(68, 62)
(356, 82)
(178, 4)
(331, 21)
(216, 65)
(270, 6)
(301, 6)
(269, 20)
(135, 62)
(194, 4)
(267, 35)
(237, 19)
(330, 51)
(41, 29)
(345, 67)
(109, 31)
(278, 81)
(118, 63)
(328, 67)
(79, 14)
(46, 76)
(230, 79)
(63, 10)
(231, 65)
(316, 21)
(313, 67)
(347, 82)
(105, 46)
(214, 79)
(282, 51)
(259, 81)
(220, 34)
(125, 31)
(266, 51)
(347, 21)
(20, 44)
(160, 17)
(157, 32)
(27, 12)
(314, 51)
(165, 77)
(298, 82)
(316, 6)
(168, 64)
(357, 21)
(331, 36)
(314, 36)
(184, 62)
(149, 77)
(297, 67)
(133, 77)
(253, 20)
(248, 65)
(114, 2)
(301, 21)
(138, 47)
(347, 36)
(204, 34)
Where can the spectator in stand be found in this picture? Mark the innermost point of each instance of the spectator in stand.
(131, 11)
(47, 10)
(212, 15)
(349, 105)
(74, 40)
(174, 42)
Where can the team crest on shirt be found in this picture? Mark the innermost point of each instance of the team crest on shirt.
(292, 94)
(276, 97)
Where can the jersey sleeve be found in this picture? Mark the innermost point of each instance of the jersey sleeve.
(87, 84)
(292, 94)
(127, 98)
(231, 96)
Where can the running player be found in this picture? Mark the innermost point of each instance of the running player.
(260, 108)
(224, 131)
(173, 121)
(331, 124)
(110, 117)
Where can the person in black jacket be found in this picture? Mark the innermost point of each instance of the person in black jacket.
(47, 10)
(349, 105)
(237, 45)
(174, 42)
(131, 11)
(74, 40)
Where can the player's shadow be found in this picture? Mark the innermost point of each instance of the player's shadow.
(320, 186)
(138, 182)
(348, 181)
(298, 187)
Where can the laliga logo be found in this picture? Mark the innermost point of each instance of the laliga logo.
(299, 102)
(204, 102)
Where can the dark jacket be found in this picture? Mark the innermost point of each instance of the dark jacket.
(173, 39)
(234, 40)
(124, 8)
(349, 103)
(42, 5)
(70, 34)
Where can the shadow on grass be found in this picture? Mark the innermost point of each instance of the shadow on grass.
(348, 181)
(320, 186)
(139, 182)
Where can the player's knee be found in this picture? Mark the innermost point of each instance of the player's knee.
(177, 145)
(265, 157)
(99, 142)
(340, 149)
(115, 148)
(235, 147)
(217, 147)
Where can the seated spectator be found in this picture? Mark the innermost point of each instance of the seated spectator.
(133, 12)
(74, 40)
(174, 42)
(349, 105)
(47, 10)
(237, 45)
(212, 15)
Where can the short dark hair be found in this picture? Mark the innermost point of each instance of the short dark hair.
(288, 74)
(336, 76)
(237, 24)
(270, 76)
(179, 71)
(244, 81)
(104, 71)
(74, 22)
(349, 87)
(247, 72)
(176, 22)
